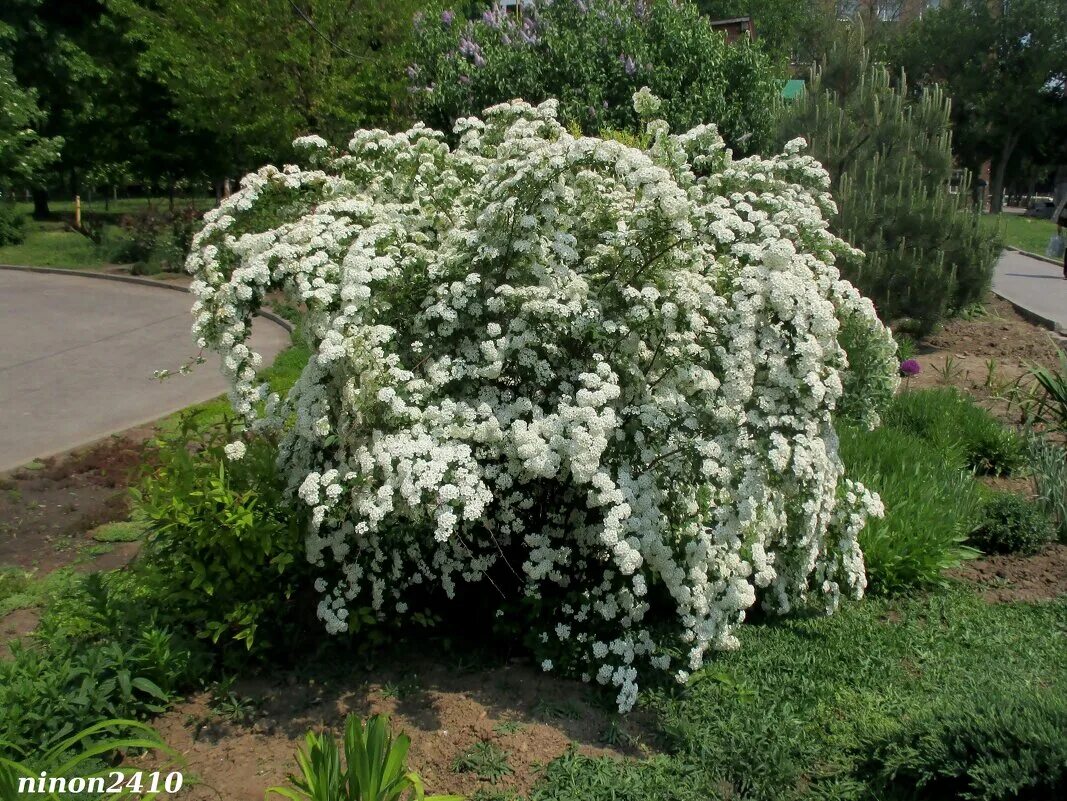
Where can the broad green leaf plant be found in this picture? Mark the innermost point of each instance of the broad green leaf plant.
(374, 769)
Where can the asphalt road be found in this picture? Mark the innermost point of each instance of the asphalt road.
(1033, 284)
(77, 357)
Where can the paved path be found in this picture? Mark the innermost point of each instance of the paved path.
(77, 357)
(1034, 284)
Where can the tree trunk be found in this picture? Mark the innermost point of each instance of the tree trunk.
(996, 184)
(40, 204)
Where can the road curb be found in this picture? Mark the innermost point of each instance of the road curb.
(134, 279)
(1023, 311)
(1034, 255)
(1029, 315)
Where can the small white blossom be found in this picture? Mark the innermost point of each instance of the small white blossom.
(235, 451)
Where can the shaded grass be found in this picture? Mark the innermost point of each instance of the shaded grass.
(117, 207)
(1025, 233)
(792, 714)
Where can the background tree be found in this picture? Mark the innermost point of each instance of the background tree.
(890, 161)
(1004, 64)
(24, 153)
(791, 31)
(257, 75)
(47, 43)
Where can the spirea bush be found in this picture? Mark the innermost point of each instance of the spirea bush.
(558, 368)
(592, 55)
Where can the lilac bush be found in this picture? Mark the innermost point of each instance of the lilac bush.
(592, 55)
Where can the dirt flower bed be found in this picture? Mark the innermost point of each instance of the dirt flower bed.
(47, 508)
(985, 355)
(1004, 578)
(236, 750)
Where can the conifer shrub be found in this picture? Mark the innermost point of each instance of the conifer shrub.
(924, 254)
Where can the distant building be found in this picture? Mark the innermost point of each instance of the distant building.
(735, 28)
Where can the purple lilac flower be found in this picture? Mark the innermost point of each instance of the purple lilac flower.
(628, 64)
(910, 367)
(447, 16)
(470, 48)
(640, 9)
(412, 71)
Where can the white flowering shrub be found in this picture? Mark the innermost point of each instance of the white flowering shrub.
(592, 376)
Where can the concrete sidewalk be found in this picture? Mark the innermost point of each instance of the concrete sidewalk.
(77, 357)
(1037, 286)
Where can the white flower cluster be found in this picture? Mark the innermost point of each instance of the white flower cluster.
(559, 368)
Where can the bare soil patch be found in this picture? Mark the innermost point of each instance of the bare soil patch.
(1010, 577)
(531, 716)
(46, 511)
(987, 356)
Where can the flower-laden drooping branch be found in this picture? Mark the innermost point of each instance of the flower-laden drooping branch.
(513, 374)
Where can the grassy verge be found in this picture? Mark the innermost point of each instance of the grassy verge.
(52, 244)
(118, 207)
(1025, 233)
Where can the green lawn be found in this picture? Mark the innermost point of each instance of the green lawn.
(51, 244)
(796, 711)
(120, 206)
(1025, 233)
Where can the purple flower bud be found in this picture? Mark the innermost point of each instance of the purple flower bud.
(910, 367)
(447, 16)
(628, 64)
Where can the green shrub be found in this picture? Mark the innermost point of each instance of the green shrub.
(931, 504)
(1012, 524)
(997, 747)
(224, 537)
(1049, 464)
(867, 393)
(592, 56)
(12, 225)
(375, 767)
(99, 651)
(959, 427)
(925, 251)
(54, 687)
(156, 240)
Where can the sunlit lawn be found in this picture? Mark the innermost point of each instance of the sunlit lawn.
(52, 244)
(1025, 233)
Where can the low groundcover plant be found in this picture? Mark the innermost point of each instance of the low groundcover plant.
(595, 376)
